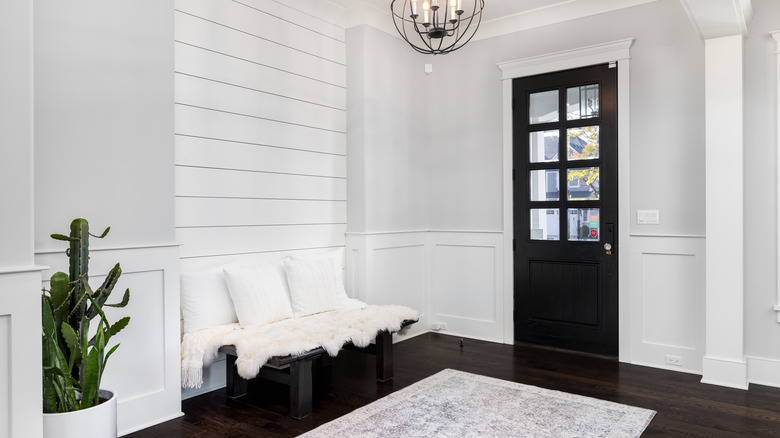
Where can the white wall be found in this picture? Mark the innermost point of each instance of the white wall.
(666, 171)
(762, 331)
(260, 130)
(261, 167)
(104, 151)
(20, 383)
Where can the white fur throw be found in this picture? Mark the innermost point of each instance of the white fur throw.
(256, 344)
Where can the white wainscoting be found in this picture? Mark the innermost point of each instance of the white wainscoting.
(145, 370)
(20, 353)
(452, 278)
(667, 288)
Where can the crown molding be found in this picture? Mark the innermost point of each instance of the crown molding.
(719, 18)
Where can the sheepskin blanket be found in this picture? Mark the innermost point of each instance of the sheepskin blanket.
(295, 336)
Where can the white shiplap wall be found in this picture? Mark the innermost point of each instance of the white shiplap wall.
(260, 131)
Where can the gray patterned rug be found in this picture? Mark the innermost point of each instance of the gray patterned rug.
(458, 404)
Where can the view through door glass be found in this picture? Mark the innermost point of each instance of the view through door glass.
(565, 210)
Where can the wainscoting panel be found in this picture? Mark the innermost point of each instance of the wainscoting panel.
(389, 268)
(667, 278)
(20, 353)
(145, 370)
(5, 371)
(452, 278)
(399, 276)
(467, 284)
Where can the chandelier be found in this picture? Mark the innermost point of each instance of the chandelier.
(436, 26)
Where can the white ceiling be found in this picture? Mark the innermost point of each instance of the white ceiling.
(493, 8)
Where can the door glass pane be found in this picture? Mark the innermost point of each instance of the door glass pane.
(582, 183)
(545, 224)
(543, 107)
(582, 143)
(582, 102)
(543, 146)
(544, 185)
(584, 225)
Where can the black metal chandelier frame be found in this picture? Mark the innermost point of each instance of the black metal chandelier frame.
(442, 29)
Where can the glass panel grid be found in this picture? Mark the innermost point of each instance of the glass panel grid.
(582, 102)
(582, 143)
(543, 185)
(582, 184)
(545, 224)
(543, 107)
(584, 224)
(543, 146)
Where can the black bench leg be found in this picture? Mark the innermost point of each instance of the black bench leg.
(236, 385)
(384, 356)
(301, 398)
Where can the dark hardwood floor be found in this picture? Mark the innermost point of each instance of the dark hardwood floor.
(685, 407)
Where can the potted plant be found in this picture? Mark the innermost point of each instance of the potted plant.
(75, 354)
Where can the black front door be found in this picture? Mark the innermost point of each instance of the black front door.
(565, 209)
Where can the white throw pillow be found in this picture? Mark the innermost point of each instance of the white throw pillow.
(205, 300)
(259, 293)
(336, 256)
(312, 286)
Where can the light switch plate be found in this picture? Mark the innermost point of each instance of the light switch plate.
(647, 217)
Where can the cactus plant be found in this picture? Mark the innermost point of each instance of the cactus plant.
(73, 358)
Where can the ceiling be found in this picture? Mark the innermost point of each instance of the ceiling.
(493, 8)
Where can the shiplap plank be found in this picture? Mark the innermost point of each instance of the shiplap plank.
(255, 22)
(198, 242)
(229, 98)
(307, 20)
(219, 67)
(210, 262)
(212, 36)
(199, 122)
(212, 212)
(193, 181)
(194, 151)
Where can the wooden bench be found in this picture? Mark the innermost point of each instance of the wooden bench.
(297, 371)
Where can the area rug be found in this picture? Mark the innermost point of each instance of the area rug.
(458, 404)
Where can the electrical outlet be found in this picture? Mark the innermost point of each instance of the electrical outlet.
(674, 360)
(439, 326)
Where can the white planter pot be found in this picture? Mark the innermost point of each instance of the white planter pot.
(96, 422)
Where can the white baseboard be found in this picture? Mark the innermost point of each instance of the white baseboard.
(732, 374)
(763, 371)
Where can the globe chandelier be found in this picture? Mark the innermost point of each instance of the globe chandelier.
(437, 27)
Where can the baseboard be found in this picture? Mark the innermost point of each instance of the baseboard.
(723, 372)
(136, 428)
(762, 371)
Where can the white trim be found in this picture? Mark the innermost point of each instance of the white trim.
(22, 269)
(559, 12)
(112, 248)
(379, 233)
(724, 372)
(776, 36)
(763, 371)
(567, 59)
(672, 236)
